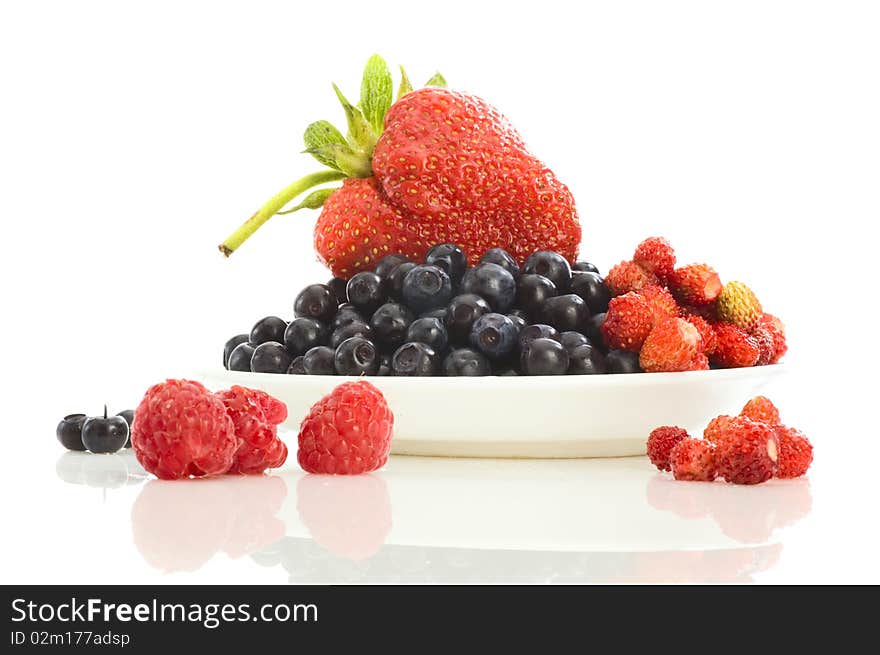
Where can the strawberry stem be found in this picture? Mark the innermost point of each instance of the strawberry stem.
(273, 206)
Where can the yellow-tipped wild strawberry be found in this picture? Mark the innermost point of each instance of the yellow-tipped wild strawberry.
(739, 305)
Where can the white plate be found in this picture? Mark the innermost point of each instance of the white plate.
(553, 416)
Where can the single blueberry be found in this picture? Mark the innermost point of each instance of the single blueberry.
(366, 291)
(356, 356)
(389, 324)
(532, 291)
(591, 287)
(230, 345)
(586, 267)
(450, 258)
(585, 359)
(544, 357)
(494, 335)
(270, 357)
(461, 313)
(551, 265)
(353, 329)
(465, 362)
(316, 301)
(429, 331)
(414, 359)
(536, 331)
(503, 258)
(305, 333)
(426, 287)
(568, 312)
(319, 361)
(266, 329)
(388, 263)
(493, 283)
(240, 357)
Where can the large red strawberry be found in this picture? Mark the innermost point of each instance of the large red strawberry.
(435, 166)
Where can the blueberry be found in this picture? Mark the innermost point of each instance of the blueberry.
(440, 313)
(493, 283)
(69, 431)
(568, 312)
(396, 278)
(305, 333)
(622, 361)
(571, 340)
(316, 301)
(128, 415)
(508, 372)
(551, 265)
(240, 357)
(461, 313)
(494, 335)
(414, 359)
(426, 287)
(104, 434)
(337, 286)
(503, 258)
(519, 322)
(356, 356)
(270, 357)
(388, 263)
(230, 345)
(296, 366)
(319, 361)
(450, 258)
(544, 357)
(532, 291)
(594, 332)
(429, 331)
(536, 331)
(366, 292)
(344, 315)
(591, 287)
(465, 362)
(266, 329)
(586, 267)
(389, 324)
(353, 329)
(585, 359)
(384, 365)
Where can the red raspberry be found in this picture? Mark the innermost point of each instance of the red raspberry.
(795, 452)
(761, 409)
(628, 322)
(699, 363)
(671, 346)
(661, 441)
(181, 429)
(716, 428)
(747, 451)
(707, 332)
(766, 345)
(777, 330)
(655, 255)
(255, 415)
(734, 348)
(348, 431)
(693, 459)
(695, 284)
(628, 276)
(661, 301)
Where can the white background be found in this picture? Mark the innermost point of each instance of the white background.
(135, 136)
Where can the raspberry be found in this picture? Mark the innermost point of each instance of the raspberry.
(761, 409)
(695, 284)
(693, 459)
(628, 276)
(255, 415)
(348, 431)
(739, 305)
(655, 255)
(698, 363)
(181, 429)
(716, 428)
(777, 330)
(795, 452)
(661, 441)
(661, 302)
(628, 322)
(747, 451)
(671, 346)
(707, 333)
(734, 348)
(766, 346)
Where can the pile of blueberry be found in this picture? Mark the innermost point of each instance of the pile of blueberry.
(441, 317)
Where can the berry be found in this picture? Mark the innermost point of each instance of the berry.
(346, 432)
(593, 330)
(69, 431)
(532, 290)
(519, 322)
(344, 315)
(461, 313)
(777, 330)
(440, 313)
(270, 357)
(240, 357)
(384, 365)
(536, 331)
(366, 292)
(761, 409)
(230, 345)
(266, 329)
(503, 258)
(296, 366)
(734, 347)
(353, 329)
(356, 356)
(661, 441)
(585, 359)
(747, 452)
(320, 360)
(181, 429)
(414, 360)
(388, 263)
(316, 301)
(695, 284)
(739, 305)
(305, 333)
(699, 363)
(765, 342)
(429, 331)
(622, 361)
(661, 302)
(571, 340)
(449, 258)
(671, 346)
(255, 416)
(628, 276)
(426, 287)
(706, 312)
(467, 363)
(551, 265)
(568, 312)
(390, 323)
(628, 322)
(795, 452)
(492, 283)
(337, 286)
(693, 459)
(544, 357)
(394, 282)
(105, 434)
(591, 287)
(587, 267)
(707, 332)
(655, 255)
(717, 428)
(128, 415)
(494, 335)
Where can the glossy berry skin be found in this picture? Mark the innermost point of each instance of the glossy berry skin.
(337, 286)
(503, 258)
(230, 345)
(492, 283)
(296, 366)
(450, 258)
(270, 357)
(591, 287)
(356, 356)
(353, 329)
(536, 331)
(551, 265)
(240, 357)
(426, 287)
(69, 431)
(440, 313)
(414, 360)
(388, 263)
(320, 360)
(466, 362)
(345, 314)
(593, 330)
(586, 359)
(519, 322)
(532, 291)
(494, 335)
(104, 434)
(305, 333)
(384, 365)
(390, 323)
(586, 267)
(366, 291)
(568, 312)
(429, 331)
(622, 361)
(128, 415)
(571, 340)
(461, 313)
(266, 329)
(316, 301)
(394, 282)
(544, 357)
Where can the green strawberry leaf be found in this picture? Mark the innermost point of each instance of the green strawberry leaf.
(436, 80)
(377, 91)
(321, 133)
(315, 200)
(360, 134)
(354, 163)
(405, 84)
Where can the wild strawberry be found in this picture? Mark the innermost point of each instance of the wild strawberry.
(766, 345)
(699, 363)
(661, 441)
(628, 276)
(655, 255)
(706, 312)
(661, 302)
(747, 452)
(735, 348)
(628, 322)
(706, 331)
(716, 428)
(777, 330)
(739, 305)
(671, 346)
(693, 459)
(761, 409)
(795, 452)
(695, 284)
